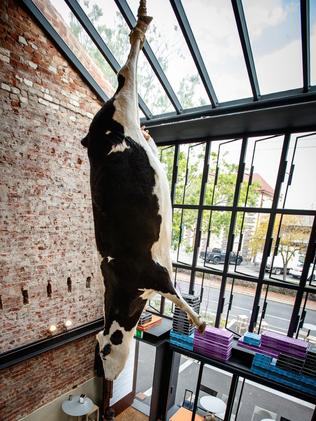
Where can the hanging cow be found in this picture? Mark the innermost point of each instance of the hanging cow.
(132, 213)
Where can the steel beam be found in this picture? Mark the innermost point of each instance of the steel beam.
(246, 47)
(305, 34)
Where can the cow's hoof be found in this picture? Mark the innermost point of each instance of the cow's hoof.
(202, 328)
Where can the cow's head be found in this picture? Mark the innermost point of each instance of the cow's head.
(123, 307)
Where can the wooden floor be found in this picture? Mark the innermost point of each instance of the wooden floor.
(131, 414)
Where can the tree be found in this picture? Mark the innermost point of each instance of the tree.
(293, 232)
(188, 187)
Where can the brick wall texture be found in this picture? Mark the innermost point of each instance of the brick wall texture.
(35, 382)
(46, 220)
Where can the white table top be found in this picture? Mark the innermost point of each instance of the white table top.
(213, 404)
(268, 419)
(309, 326)
(75, 408)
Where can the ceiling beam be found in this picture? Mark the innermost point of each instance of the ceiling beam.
(194, 50)
(246, 47)
(101, 46)
(271, 117)
(152, 59)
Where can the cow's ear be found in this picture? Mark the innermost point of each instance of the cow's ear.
(85, 141)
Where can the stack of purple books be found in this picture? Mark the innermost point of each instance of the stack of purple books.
(282, 344)
(215, 343)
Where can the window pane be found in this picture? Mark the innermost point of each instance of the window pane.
(276, 305)
(222, 174)
(166, 155)
(262, 165)
(307, 324)
(190, 171)
(165, 38)
(275, 36)
(250, 235)
(255, 402)
(298, 190)
(207, 286)
(240, 305)
(290, 240)
(115, 32)
(183, 235)
(215, 227)
(80, 43)
(215, 31)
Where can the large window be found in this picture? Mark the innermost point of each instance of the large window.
(244, 230)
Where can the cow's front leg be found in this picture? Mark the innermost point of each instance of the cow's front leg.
(157, 277)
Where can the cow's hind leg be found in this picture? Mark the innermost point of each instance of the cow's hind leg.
(158, 280)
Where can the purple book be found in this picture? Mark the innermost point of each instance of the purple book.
(213, 346)
(219, 356)
(275, 339)
(217, 332)
(260, 350)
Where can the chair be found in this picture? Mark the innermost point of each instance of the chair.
(188, 399)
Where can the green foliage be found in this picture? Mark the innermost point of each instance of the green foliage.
(188, 188)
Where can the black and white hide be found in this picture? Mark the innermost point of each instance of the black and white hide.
(132, 214)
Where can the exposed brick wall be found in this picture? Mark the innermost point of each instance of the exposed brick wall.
(45, 210)
(31, 384)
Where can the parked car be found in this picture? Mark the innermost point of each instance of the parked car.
(217, 256)
(278, 266)
(296, 272)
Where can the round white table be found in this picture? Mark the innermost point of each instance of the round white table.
(213, 404)
(76, 409)
(268, 419)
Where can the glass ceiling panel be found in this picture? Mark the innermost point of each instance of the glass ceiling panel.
(168, 44)
(313, 41)
(275, 36)
(85, 50)
(216, 33)
(115, 32)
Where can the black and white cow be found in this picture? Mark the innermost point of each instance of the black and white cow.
(132, 213)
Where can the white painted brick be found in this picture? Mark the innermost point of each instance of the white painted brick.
(65, 80)
(22, 40)
(23, 99)
(45, 90)
(43, 101)
(28, 82)
(5, 87)
(5, 52)
(33, 65)
(52, 69)
(34, 46)
(74, 102)
(89, 115)
(54, 106)
(65, 93)
(5, 59)
(15, 90)
(48, 97)
(72, 118)
(18, 78)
